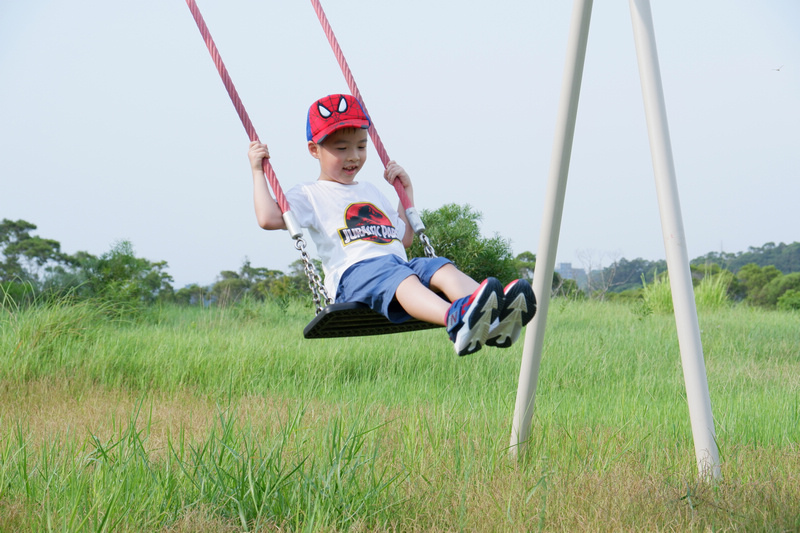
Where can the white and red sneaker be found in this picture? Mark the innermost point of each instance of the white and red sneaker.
(518, 308)
(469, 319)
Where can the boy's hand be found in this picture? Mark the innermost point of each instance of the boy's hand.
(396, 172)
(257, 153)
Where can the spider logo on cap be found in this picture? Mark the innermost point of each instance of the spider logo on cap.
(334, 112)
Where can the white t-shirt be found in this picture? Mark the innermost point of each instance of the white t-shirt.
(348, 223)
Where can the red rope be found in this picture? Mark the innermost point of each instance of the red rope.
(351, 83)
(237, 103)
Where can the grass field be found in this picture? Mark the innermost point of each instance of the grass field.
(180, 419)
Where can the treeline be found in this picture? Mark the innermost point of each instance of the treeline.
(784, 257)
(768, 276)
(34, 268)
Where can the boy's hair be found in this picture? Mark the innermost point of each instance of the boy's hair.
(334, 112)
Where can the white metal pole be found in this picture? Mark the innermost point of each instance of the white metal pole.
(694, 372)
(551, 221)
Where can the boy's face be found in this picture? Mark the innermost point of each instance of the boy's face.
(341, 155)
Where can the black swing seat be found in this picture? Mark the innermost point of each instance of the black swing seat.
(355, 319)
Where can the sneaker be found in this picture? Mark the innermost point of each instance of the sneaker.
(519, 306)
(469, 318)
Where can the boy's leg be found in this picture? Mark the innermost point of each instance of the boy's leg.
(517, 307)
(420, 302)
(424, 304)
(468, 319)
(475, 306)
(453, 283)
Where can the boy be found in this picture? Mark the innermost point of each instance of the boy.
(361, 239)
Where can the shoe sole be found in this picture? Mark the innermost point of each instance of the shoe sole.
(519, 307)
(479, 317)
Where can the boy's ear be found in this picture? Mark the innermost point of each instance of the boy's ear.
(313, 149)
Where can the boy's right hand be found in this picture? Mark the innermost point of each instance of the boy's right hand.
(257, 153)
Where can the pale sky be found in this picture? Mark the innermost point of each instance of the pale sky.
(114, 124)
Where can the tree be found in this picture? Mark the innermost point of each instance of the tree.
(192, 294)
(26, 257)
(259, 279)
(599, 280)
(566, 288)
(121, 276)
(295, 283)
(624, 275)
(71, 277)
(40, 264)
(264, 284)
(777, 287)
(784, 257)
(790, 300)
(455, 233)
(230, 288)
(754, 278)
(525, 264)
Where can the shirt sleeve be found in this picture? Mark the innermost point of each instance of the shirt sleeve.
(300, 205)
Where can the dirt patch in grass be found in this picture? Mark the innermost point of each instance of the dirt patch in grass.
(48, 411)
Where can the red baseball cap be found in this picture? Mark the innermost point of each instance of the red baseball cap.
(334, 112)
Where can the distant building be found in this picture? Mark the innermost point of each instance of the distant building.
(565, 270)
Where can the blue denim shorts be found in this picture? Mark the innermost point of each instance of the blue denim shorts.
(374, 282)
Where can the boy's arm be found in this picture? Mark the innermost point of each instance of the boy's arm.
(394, 171)
(268, 213)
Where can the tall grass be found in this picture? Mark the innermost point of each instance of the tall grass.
(710, 294)
(265, 430)
(237, 472)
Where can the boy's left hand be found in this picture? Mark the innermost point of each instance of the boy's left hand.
(396, 172)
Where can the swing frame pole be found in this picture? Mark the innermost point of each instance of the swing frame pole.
(551, 223)
(688, 329)
(680, 276)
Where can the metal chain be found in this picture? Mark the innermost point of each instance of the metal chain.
(318, 292)
(427, 246)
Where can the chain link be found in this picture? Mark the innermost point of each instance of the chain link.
(318, 292)
(427, 246)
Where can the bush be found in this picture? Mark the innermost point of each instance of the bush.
(790, 300)
(118, 275)
(455, 233)
(629, 295)
(753, 279)
(777, 287)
